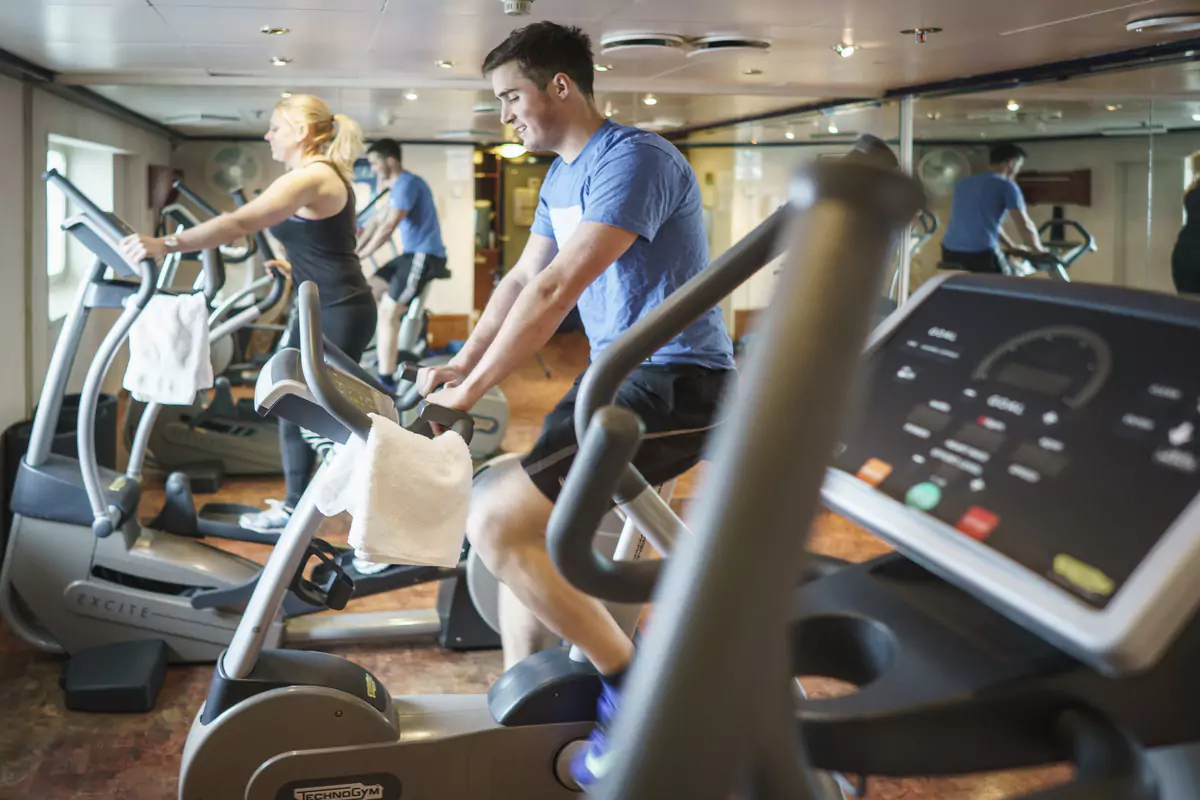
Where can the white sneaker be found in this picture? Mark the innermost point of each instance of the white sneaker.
(273, 520)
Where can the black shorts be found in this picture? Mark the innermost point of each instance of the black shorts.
(677, 404)
(408, 274)
(981, 261)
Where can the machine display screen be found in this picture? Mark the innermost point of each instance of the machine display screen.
(1063, 437)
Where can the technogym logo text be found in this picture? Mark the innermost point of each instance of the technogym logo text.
(344, 791)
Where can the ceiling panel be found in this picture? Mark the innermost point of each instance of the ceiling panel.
(317, 5)
(37, 23)
(372, 50)
(243, 26)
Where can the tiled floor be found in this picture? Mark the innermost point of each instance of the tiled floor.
(49, 753)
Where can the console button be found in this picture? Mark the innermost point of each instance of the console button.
(978, 523)
(924, 496)
(930, 419)
(1181, 434)
(1082, 576)
(874, 472)
(1136, 426)
(1176, 459)
(1045, 461)
(1165, 392)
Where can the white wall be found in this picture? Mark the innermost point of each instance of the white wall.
(13, 228)
(138, 149)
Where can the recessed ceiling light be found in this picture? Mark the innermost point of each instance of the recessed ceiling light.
(754, 141)
(1113, 106)
(270, 30)
(411, 95)
(935, 115)
(1013, 105)
(608, 108)
(279, 61)
(444, 63)
(789, 134)
(602, 67)
(833, 128)
(650, 100)
(845, 50)
(285, 95)
(752, 71)
(1195, 117)
(511, 150)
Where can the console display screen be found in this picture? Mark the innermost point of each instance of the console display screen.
(1063, 437)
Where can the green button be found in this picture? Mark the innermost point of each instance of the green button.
(923, 496)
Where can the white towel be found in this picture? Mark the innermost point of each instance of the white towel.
(169, 355)
(408, 494)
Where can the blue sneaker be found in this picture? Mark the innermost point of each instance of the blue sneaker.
(595, 760)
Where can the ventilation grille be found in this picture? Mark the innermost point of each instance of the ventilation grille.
(728, 44)
(642, 41)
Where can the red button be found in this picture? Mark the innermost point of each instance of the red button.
(978, 523)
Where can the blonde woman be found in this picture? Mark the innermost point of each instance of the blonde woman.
(310, 210)
(1185, 258)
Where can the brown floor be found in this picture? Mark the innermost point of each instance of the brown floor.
(49, 752)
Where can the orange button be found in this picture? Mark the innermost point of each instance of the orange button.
(978, 523)
(874, 472)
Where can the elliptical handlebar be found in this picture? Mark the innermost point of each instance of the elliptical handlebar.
(312, 359)
(314, 352)
(195, 199)
(278, 286)
(213, 266)
(768, 462)
(113, 228)
(928, 222)
(574, 525)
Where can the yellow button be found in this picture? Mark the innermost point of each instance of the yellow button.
(1083, 575)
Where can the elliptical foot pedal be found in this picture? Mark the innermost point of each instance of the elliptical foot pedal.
(114, 678)
(206, 476)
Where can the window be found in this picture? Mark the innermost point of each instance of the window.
(56, 214)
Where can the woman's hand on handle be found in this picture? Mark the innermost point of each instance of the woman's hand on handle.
(138, 248)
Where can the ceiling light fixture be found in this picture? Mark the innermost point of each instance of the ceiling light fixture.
(921, 35)
(411, 95)
(845, 50)
(602, 67)
(444, 63)
(518, 8)
(608, 108)
(279, 61)
(789, 134)
(1195, 117)
(752, 71)
(934, 115)
(833, 128)
(650, 100)
(285, 95)
(1013, 105)
(270, 30)
(1113, 106)
(1166, 23)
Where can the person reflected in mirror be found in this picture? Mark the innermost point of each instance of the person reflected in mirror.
(410, 207)
(975, 230)
(1185, 258)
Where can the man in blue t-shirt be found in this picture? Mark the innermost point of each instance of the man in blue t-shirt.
(410, 207)
(618, 228)
(973, 236)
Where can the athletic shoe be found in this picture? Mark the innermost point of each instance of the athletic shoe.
(595, 760)
(273, 520)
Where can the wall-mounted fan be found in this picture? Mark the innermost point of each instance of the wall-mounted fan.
(231, 167)
(941, 168)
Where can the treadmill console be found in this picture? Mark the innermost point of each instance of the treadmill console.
(1037, 443)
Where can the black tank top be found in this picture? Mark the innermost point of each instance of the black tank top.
(1191, 228)
(322, 251)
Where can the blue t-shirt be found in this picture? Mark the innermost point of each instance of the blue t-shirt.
(637, 181)
(980, 203)
(419, 229)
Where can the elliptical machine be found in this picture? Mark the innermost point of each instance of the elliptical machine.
(83, 578)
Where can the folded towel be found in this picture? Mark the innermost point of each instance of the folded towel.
(408, 494)
(169, 355)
